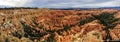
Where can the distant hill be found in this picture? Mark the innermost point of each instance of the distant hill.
(118, 8)
(9, 7)
(110, 8)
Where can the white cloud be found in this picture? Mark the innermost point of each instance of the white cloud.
(13, 3)
(87, 4)
(104, 4)
(87, 0)
(61, 3)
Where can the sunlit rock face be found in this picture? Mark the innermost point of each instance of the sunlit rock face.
(44, 25)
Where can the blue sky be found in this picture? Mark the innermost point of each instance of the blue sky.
(60, 3)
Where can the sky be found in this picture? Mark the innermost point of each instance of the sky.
(60, 3)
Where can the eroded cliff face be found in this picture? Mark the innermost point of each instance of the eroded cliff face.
(44, 25)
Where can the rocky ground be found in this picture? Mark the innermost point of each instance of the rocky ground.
(44, 25)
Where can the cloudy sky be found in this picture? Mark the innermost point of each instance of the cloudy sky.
(60, 3)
